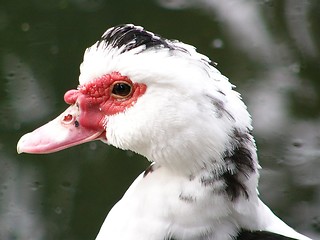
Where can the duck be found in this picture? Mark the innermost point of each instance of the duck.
(162, 99)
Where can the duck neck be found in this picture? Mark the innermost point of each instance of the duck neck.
(236, 167)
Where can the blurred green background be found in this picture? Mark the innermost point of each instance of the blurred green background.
(270, 49)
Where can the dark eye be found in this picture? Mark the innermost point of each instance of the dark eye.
(121, 89)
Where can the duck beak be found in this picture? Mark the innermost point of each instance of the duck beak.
(61, 133)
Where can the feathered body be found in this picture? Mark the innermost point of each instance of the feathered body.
(185, 117)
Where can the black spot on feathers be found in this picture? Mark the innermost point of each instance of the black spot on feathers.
(240, 164)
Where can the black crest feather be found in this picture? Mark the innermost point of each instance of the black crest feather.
(129, 37)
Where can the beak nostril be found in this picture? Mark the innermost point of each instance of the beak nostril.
(67, 119)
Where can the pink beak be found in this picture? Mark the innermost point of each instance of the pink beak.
(60, 133)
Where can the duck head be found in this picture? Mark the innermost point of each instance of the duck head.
(154, 96)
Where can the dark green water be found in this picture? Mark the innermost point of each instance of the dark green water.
(269, 49)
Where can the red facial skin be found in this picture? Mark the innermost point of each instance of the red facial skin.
(86, 119)
(95, 100)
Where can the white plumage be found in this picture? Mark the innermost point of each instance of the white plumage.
(184, 116)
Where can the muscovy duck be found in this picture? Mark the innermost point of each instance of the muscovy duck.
(162, 99)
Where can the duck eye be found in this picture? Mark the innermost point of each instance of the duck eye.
(121, 89)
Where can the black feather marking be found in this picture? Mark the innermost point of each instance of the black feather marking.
(148, 170)
(220, 107)
(130, 37)
(234, 188)
(260, 235)
(252, 235)
(191, 177)
(187, 198)
(241, 165)
(221, 92)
